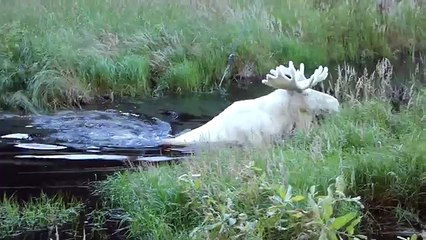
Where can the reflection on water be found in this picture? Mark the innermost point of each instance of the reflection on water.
(39, 146)
(16, 136)
(76, 157)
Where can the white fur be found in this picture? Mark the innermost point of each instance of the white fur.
(263, 119)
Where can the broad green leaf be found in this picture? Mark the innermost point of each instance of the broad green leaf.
(327, 211)
(351, 228)
(256, 169)
(327, 208)
(297, 198)
(343, 220)
(332, 235)
(281, 192)
(413, 237)
(197, 184)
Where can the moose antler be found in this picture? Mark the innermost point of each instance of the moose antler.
(291, 79)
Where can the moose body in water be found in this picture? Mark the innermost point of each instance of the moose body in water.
(292, 106)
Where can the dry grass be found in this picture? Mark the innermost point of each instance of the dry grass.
(379, 84)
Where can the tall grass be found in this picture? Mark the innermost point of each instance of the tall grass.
(39, 214)
(61, 53)
(370, 149)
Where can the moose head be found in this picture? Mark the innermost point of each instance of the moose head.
(292, 106)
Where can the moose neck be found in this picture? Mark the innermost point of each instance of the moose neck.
(290, 108)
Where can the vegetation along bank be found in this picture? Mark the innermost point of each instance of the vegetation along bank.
(62, 53)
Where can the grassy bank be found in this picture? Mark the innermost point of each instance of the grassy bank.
(56, 53)
(42, 214)
(370, 150)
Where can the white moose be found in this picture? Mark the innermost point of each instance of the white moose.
(292, 106)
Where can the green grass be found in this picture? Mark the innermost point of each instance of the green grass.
(59, 53)
(43, 213)
(368, 150)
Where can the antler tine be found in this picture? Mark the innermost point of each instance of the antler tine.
(300, 82)
(282, 77)
(319, 75)
(302, 69)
